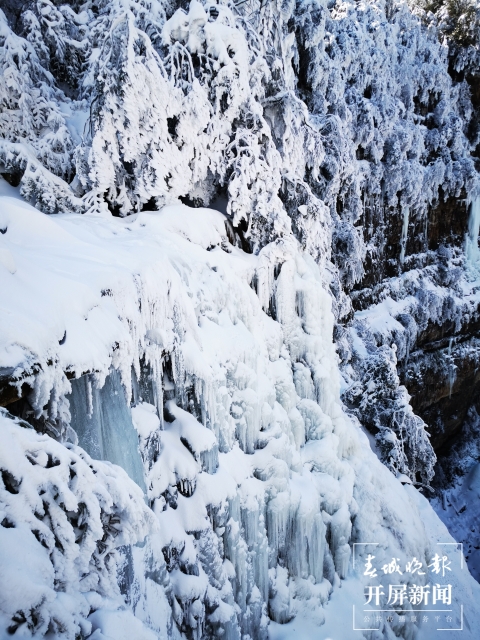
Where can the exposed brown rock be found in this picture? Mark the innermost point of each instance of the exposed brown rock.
(446, 224)
(444, 383)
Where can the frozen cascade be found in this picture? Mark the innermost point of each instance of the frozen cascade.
(103, 423)
(259, 482)
(472, 250)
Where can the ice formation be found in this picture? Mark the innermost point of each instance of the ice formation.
(102, 422)
(195, 348)
(471, 250)
(259, 481)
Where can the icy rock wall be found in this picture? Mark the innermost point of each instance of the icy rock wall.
(418, 329)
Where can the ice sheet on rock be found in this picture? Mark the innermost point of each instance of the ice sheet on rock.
(102, 419)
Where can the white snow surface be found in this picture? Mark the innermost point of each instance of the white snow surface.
(259, 491)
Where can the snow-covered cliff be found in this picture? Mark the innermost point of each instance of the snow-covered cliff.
(259, 481)
(265, 232)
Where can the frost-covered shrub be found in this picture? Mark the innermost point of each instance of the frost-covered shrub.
(62, 517)
(179, 116)
(382, 405)
(459, 20)
(378, 142)
(59, 34)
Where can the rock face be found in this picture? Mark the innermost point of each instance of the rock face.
(440, 368)
(444, 382)
(439, 363)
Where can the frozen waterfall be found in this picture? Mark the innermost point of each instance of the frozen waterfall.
(102, 420)
(471, 245)
(260, 485)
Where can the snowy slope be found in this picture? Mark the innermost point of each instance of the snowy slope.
(259, 482)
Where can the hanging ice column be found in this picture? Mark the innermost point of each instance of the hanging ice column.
(404, 236)
(103, 423)
(471, 245)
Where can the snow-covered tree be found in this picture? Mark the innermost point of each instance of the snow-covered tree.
(36, 147)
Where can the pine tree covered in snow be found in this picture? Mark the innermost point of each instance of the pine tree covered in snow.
(36, 146)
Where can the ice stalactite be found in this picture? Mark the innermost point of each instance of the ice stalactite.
(451, 368)
(404, 236)
(102, 420)
(472, 250)
(147, 384)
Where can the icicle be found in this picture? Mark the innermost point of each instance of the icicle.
(209, 460)
(158, 388)
(471, 243)
(403, 239)
(88, 383)
(451, 368)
